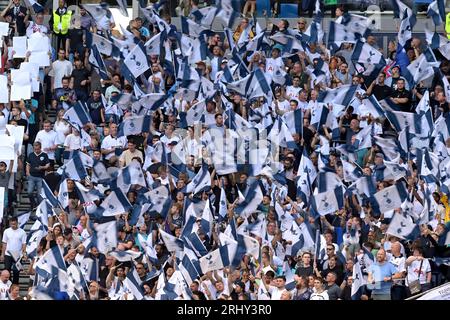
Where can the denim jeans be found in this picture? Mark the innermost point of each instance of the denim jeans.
(34, 183)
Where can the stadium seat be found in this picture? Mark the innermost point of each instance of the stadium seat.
(288, 10)
(261, 6)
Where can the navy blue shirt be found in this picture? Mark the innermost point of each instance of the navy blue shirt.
(36, 161)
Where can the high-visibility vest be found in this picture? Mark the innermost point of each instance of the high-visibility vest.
(64, 20)
(447, 25)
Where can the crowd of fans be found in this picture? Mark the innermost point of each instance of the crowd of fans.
(356, 234)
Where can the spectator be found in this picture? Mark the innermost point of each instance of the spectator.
(319, 293)
(18, 15)
(13, 248)
(381, 274)
(37, 163)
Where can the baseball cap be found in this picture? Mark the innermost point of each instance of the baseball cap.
(379, 155)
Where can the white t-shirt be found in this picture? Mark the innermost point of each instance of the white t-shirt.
(292, 92)
(284, 106)
(60, 69)
(61, 128)
(47, 140)
(110, 142)
(14, 240)
(413, 271)
(399, 263)
(73, 142)
(273, 64)
(275, 293)
(33, 28)
(105, 22)
(319, 296)
(4, 288)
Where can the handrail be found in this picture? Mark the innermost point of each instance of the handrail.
(425, 292)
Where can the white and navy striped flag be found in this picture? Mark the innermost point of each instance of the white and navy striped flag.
(294, 121)
(135, 125)
(43, 211)
(123, 7)
(328, 181)
(421, 68)
(339, 33)
(253, 85)
(78, 115)
(51, 259)
(351, 171)
(115, 203)
(201, 181)
(427, 165)
(327, 202)
(306, 173)
(227, 11)
(22, 218)
(99, 173)
(130, 175)
(342, 95)
(106, 236)
(436, 11)
(96, 60)
(63, 194)
(75, 168)
(193, 242)
(393, 170)
(104, 46)
(213, 260)
(281, 135)
(88, 195)
(153, 45)
(358, 281)
(187, 267)
(204, 16)
(403, 227)
(37, 7)
(46, 193)
(191, 28)
(134, 284)
(424, 103)
(124, 256)
(207, 219)
(96, 11)
(223, 208)
(136, 61)
(365, 53)
(253, 198)
(390, 198)
(401, 120)
(172, 243)
(33, 240)
(388, 146)
(435, 40)
(364, 137)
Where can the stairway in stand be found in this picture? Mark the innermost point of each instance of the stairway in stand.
(23, 205)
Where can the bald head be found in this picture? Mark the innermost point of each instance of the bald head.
(4, 276)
